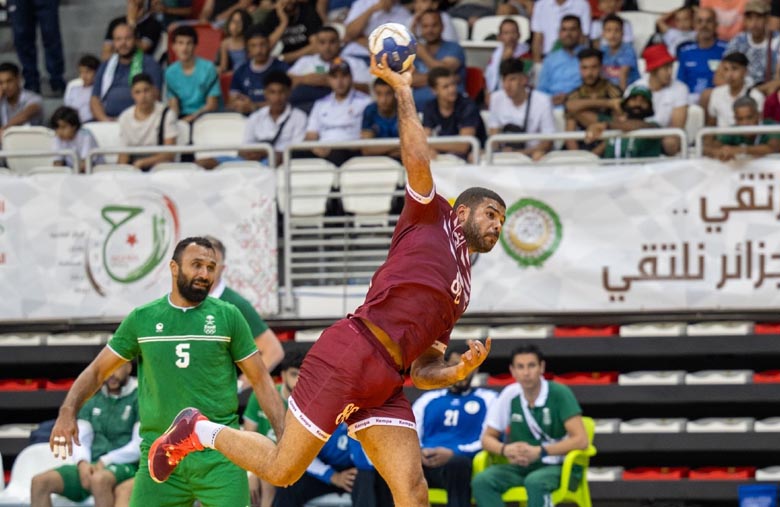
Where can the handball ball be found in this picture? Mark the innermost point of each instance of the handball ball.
(395, 41)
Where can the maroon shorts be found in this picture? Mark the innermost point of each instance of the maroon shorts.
(348, 376)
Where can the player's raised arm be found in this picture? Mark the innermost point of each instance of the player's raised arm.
(414, 143)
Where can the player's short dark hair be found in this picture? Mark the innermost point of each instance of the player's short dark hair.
(434, 12)
(473, 197)
(185, 31)
(746, 101)
(590, 53)
(572, 17)
(511, 66)
(278, 77)
(292, 359)
(256, 31)
(89, 61)
(218, 245)
(613, 18)
(329, 29)
(527, 349)
(736, 58)
(66, 114)
(183, 244)
(9, 67)
(437, 73)
(143, 77)
(508, 21)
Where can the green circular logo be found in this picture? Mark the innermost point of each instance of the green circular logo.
(532, 232)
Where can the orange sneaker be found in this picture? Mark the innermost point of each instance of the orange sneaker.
(177, 442)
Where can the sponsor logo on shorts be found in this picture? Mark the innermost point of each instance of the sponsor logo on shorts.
(346, 413)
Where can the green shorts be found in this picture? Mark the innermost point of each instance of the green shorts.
(70, 478)
(207, 476)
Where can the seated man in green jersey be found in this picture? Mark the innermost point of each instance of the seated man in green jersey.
(730, 146)
(109, 450)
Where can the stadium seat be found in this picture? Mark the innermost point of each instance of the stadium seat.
(50, 169)
(605, 474)
(20, 339)
(31, 461)
(510, 158)
(17, 430)
(653, 329)
(209, 39)
(585, 331)
(694, 122)
(115, 168)
(469, 333)
(239, 165)
(768, 474)
(311, 178)
(447, 160)
(367, 184)
(224, 84)
(340, 28)
(768, 425)
(196, 8)
(722, 474)
(106, 134)
(655, 474)
(176, 166)
(73, 83)
(589, 378)
(766, 328)
(20, 384)
(475, 82)
(4, 171)
(721, 425)
(524, 331)
(461, 28)
(59, 385)
(719, 377)
(308, 335)
(183, 133)
(767, 377)
(659, 6)
(733, 328)
(27, 138)
(578, 458)
(652, 378)
(487, 27)
(570, 157)
(331, 500)
(605, 426)
(76, 339)
(217, 129)
(503, 379)
(643, 25)
(653, 425)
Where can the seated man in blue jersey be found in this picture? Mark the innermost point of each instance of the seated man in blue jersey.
(380, 121)
(700, 57)
(248, 82)
(450, 423)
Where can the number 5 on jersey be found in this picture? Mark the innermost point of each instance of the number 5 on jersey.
(183, 354)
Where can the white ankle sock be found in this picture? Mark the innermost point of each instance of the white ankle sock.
(207, 432)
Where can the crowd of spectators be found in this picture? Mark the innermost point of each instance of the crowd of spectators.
(575, 72)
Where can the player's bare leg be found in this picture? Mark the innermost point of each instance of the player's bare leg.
(395, 452)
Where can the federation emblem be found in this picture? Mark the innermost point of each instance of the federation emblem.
(532, 232)
(210, 327)
(471, 407)
(159, 327)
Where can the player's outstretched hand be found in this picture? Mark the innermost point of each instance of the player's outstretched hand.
(63, 435)
(475, 355)
(394, 79)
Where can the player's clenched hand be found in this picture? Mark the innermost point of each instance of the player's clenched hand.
(344, 479)
(389, 76)
(63, 435)
(474, 356)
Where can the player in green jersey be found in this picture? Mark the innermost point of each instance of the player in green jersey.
(188, 345)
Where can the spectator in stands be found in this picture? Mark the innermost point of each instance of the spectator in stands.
(248, 82)
(699, 58)
(310, 72)
(78, 97)
(519, 109)
(534, 423)
(433, 52)
(596, 100)
(147, 123)
(364, 16)
(232, 49)
(109, 451)
(670, 97)
(635, 111)
(620, 65)
(142, 18)
(451, 114)
(332, 471)
(450, 423)
(380, 121)
(219, 12)
(18, 106)
(546, 23)
(111, 93)
(729, 14)
(510, 46)
(337, 117)
(173, 10)
(560, 70)
(24, 16)
(276, 123)
(69, 135)
(676, 28)
(609, 9)
(192, 83)
(720, 110)
(419, 7)
(755, 43)
(294, 23)
(730, 146)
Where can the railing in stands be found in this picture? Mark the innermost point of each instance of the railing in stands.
(10, 154)
(744, 131)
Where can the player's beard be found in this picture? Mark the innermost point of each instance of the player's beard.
(189, 291)
(474, 237)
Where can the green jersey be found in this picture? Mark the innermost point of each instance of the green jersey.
(739, 140)
(633, 147)
(256, 323)
(187, 358)
(254, 413)
(112, 418)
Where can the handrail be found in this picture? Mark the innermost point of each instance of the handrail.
(741, 130)
(580, 135)
(151, 150)
(44, 154)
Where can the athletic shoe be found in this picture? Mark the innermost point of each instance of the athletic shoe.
(177, 442)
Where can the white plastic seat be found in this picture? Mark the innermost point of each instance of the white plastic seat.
(461, 28)
(719, 377)
(21, 339)
(694, 122)
(769, 425)
(659, 6)
(607, 425)
(649, 425)
(488, 26)
(311, 178)
(4, 171)
(523, 331)
(308, 335)
(216, 129)
(569, 157)
(734, 328)
(17, 430)
(447, 160)
(643, 25)
(30, 462)
(367, 184)
(331, 500)
(176, 166)
(239, 165)
(766, 474)
(721, 425)
(605, 474)
(652, 378)
(182, 133)
(106, 134)
(654, 329)
(511, 158)
(28, 138)
(469, 333)
(339, 27)
(51, 169)
(115, 168)
(76, 339)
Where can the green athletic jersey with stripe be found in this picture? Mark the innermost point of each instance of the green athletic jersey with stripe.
(186, 359)
(112, 418)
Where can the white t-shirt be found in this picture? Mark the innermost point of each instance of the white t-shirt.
(78, 97)
(82, 143)
(540, 117)
(314, 64)
(335, 120)
(134, 132)
(398, 14)
(492, 74)
(260, 127)
(665, 100)
(547, 16)
(721, 105)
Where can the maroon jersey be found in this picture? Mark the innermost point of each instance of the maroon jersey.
(423, 287)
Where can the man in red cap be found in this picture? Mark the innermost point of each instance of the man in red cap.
(670, 97)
